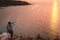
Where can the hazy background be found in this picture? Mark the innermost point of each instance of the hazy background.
(31, 19)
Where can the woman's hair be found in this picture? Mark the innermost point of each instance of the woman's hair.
(9, 22)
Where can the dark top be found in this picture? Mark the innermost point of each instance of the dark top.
(10, 26)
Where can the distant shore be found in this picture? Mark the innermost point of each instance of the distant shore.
(14, 3)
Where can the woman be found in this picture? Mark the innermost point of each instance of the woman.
(10, 28)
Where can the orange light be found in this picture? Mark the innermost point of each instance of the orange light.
(54, 18)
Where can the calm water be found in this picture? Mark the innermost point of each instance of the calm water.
(29, 20)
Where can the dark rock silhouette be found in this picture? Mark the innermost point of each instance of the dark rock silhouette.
(57, 38)
(6, 0)
(13, 3)
(39, 37)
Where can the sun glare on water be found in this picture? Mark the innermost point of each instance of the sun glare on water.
(54, 18)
